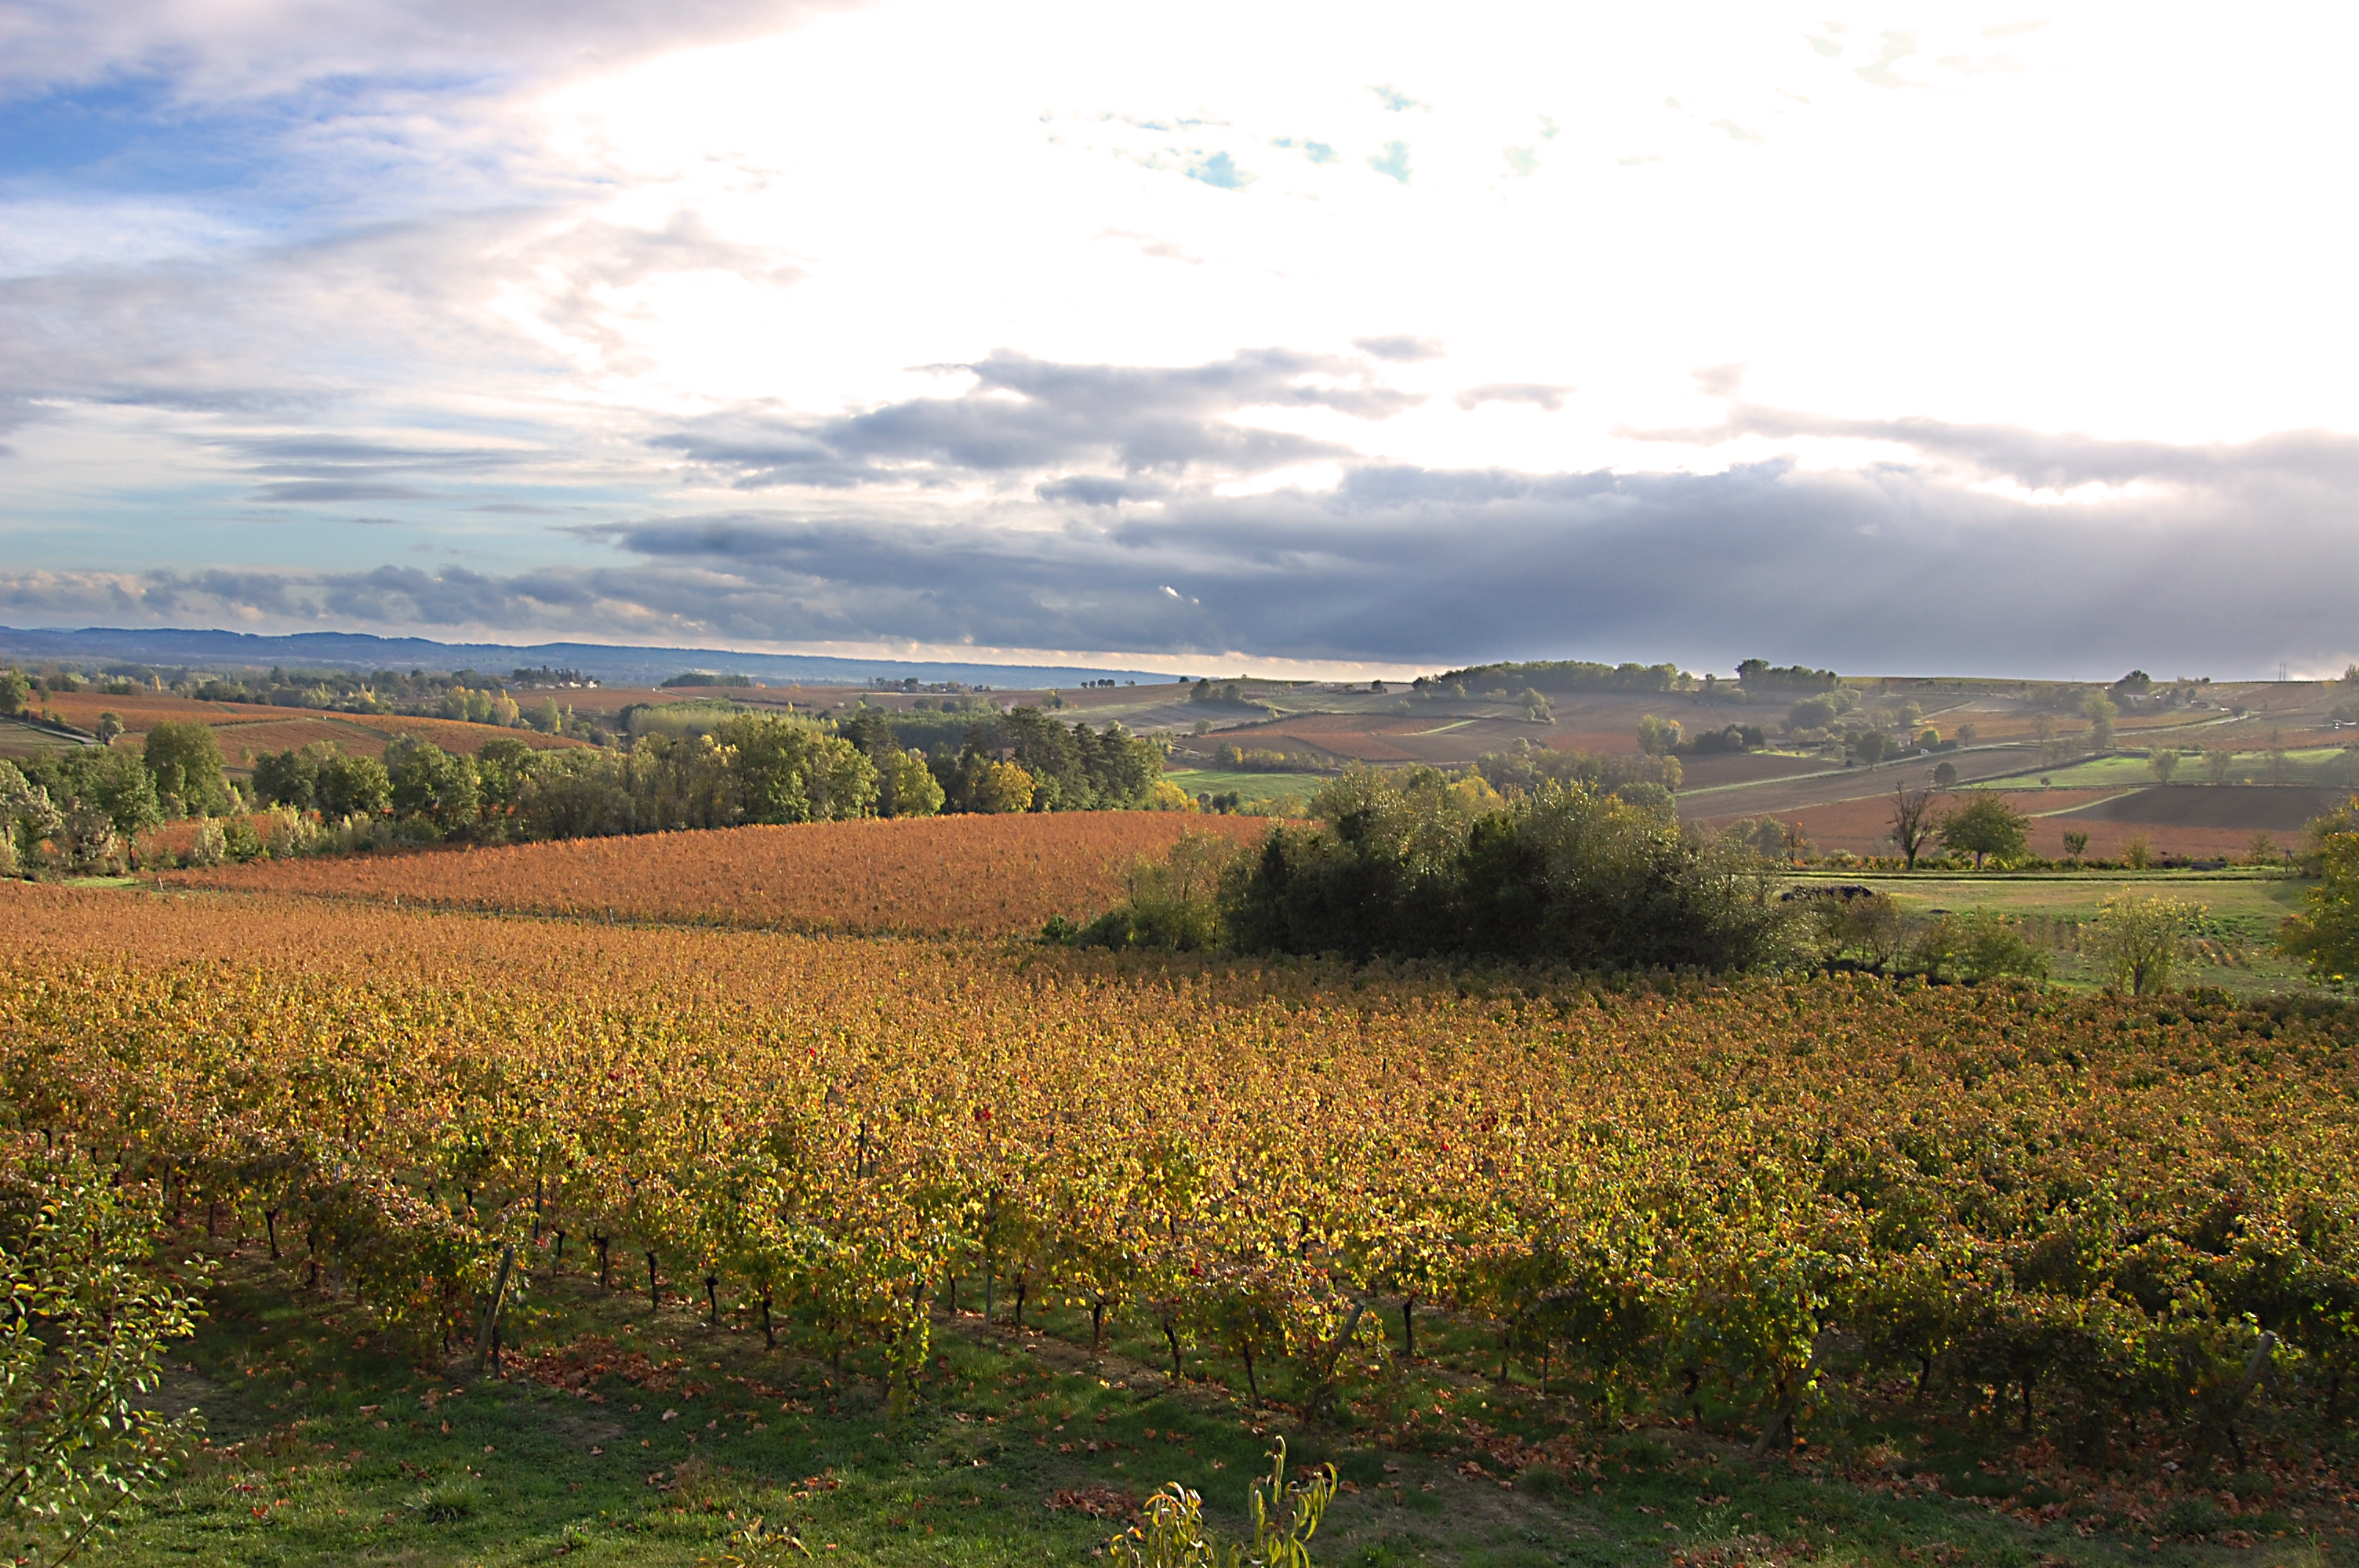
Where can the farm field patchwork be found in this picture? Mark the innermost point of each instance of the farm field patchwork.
(2178, 823)
(970, 874)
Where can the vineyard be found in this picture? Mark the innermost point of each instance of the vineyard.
(1750, 1204)
(969, 874)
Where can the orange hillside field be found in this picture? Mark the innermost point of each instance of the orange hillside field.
(974, 875)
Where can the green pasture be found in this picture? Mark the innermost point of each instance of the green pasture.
(1251, 786)
(2318, 766)
(2235, 939)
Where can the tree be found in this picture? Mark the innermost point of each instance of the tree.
(2100, 711)
(2325, 936)
(2217, 761)
(1912, 821)
(353, 786)
(1657, 736)
(185, 760)
(94, 1307)
(1945, 775)
(110, 726)
(1986, 826)
(430, 784)
(13, 690)
(2162, 762)
(2137, 940)
(1001, 788)
(2076, 844)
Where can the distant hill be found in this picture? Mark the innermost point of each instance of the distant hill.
(612, 666)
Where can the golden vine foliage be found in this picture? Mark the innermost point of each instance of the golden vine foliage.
(2102, 1198)
(966, 875)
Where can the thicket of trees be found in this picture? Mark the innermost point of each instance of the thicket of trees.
(707, 765)
(1569, 675)
(1414, 862)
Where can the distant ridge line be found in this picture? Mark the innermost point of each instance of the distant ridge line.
(622, 665)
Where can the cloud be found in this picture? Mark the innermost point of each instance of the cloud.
(1536, 393)
(2041, 461)
(318, 490)
(1317, 152)
(1394, 99)
(1095, 490)
(1738, 133)
(273, 46)
(1392, 162)
(1878, 72)
(1220, 171)
(1400, 348)
(1023, 414)
(1521, 161)
(1436, 566)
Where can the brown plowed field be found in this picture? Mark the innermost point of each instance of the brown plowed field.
(1745, 767)
(2245, 808)
(977, 875)
(1863, 826)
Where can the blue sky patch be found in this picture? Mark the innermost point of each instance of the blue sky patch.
(1392, 162)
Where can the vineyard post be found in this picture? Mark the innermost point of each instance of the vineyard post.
(490, 1318)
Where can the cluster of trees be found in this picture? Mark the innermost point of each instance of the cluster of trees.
(80, 807)
(1571, 674)
(1414, 862)
(1760, 675)
(713, 768)
(755, 768)
(1243, 760)
(1984, 825)
(1647, 780)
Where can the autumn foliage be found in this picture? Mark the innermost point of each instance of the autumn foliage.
(2084, 1209)
(979, 875)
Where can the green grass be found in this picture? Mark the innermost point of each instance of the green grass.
(2243, 909)
(2323, 765)
(1252, 787)
(325, 1448)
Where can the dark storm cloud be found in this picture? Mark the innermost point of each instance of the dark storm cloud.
(2040, 460)
(1143, 418)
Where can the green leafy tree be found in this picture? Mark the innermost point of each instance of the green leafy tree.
(430, 784)
(1986, 828)
(13, 690)
(2218, 761)
(1976, 945)
(2325, 936)
(93, 1308)
(2162, 762)
(790, 770)
(2101, 712)
(185, 760)
(1657, 736)
(2137, 940)
(110, 727)
(353, 786)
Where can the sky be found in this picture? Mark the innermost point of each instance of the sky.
(1317, 338)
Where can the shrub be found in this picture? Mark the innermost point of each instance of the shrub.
(1978, 946)
(1408, 863)
(2137, 939)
